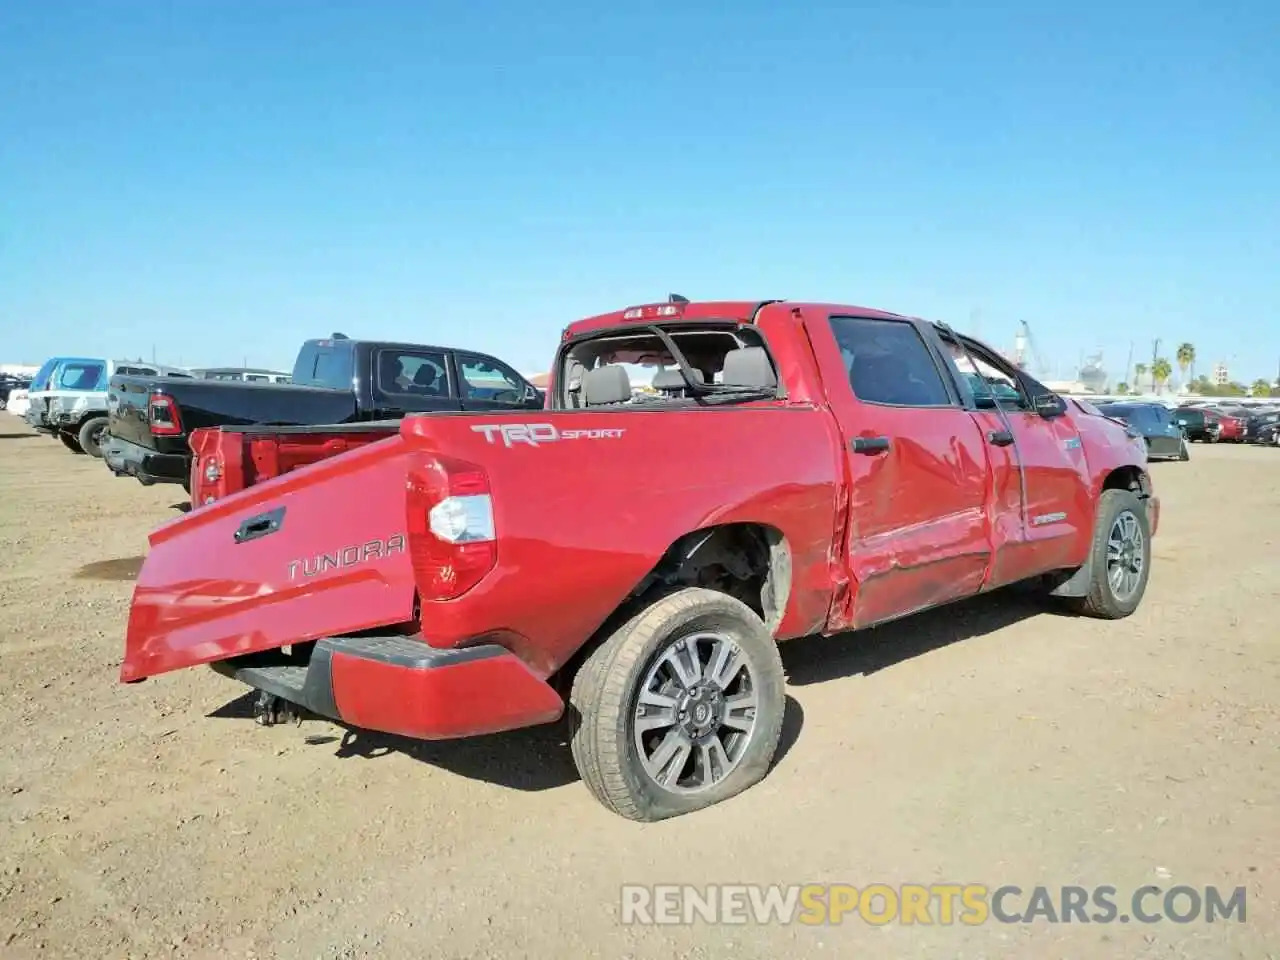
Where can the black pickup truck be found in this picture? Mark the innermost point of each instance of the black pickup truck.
(335, 380)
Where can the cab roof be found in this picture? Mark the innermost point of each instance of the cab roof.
(677, 310)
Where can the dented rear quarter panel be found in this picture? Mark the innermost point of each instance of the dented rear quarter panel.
(581, 521)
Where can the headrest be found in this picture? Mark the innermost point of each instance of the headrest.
(425, 376)
(673, 380)
(748, 367)
(607, 384)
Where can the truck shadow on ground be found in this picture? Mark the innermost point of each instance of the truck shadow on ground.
(864, 652)
(533, 759)
(119, 569)
(538, 758)
(18, 436)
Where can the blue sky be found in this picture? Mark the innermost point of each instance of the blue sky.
(220, 180)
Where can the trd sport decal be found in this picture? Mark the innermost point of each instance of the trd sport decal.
(536, 434)
(347, 556)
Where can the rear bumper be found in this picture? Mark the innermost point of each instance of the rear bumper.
(400, 685)
(142, 463)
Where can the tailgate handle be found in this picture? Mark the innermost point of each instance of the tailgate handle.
(869, 444)
(261, 525)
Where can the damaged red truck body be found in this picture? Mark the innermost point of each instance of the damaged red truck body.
(796, 469)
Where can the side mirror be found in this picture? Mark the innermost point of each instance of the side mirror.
(1050, 405)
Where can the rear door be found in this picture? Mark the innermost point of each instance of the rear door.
(411, 380)
(917, 533)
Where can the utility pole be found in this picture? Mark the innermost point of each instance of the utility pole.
(1128, 368)
(1155, 353)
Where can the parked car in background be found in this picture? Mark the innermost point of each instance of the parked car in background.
(1230, 428)
(1155, 422)
(1257, 420)
(17, 403)
(76, 403)
(800, 469)
(243, 374)
(335, 380)
(38, 391)
(1197, 425)
(8, 384)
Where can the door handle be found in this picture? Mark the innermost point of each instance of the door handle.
(869, 444)
(1000, 438)
(261, 525)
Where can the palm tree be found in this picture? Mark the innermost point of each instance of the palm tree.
(1160, 372)
(1122, 388)
(1139, 371)
(1186, 356)
(1261, 388)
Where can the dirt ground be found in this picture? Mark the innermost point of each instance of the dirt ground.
(993, 742)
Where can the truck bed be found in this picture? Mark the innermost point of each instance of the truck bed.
(228, 459)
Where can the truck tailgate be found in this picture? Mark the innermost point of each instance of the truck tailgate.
(279, 563)
(127, 410)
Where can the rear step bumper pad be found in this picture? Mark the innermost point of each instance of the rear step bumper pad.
(400, 685)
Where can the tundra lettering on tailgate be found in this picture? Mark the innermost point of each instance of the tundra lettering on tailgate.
(536, 434)
(347, 556)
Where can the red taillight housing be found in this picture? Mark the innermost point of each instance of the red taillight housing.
(452, 539)
(162, 415)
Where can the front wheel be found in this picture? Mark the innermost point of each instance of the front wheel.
(1120, 557)
(680, 708)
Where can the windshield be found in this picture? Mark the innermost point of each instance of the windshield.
(1127, 414)
(81, 375)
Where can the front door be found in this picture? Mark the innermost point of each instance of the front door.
(1052, 526)
(916, 534)
(485, 384)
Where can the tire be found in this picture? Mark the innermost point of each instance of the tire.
(91, 433)
(1103, 600)
(70, 442)
(1184, 452)
(640, 655)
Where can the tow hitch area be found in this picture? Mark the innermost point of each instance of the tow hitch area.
(270, 710)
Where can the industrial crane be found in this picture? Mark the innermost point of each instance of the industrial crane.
(1024, 347)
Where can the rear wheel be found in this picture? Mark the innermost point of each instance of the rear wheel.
(1121, 557)
(680, 708)
(92, 432)
(70, 442)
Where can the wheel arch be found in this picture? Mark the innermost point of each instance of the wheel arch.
(748, 560)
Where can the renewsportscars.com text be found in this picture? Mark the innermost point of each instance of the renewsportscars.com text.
(971, 904)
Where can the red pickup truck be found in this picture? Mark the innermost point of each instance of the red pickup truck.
(793, 469)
